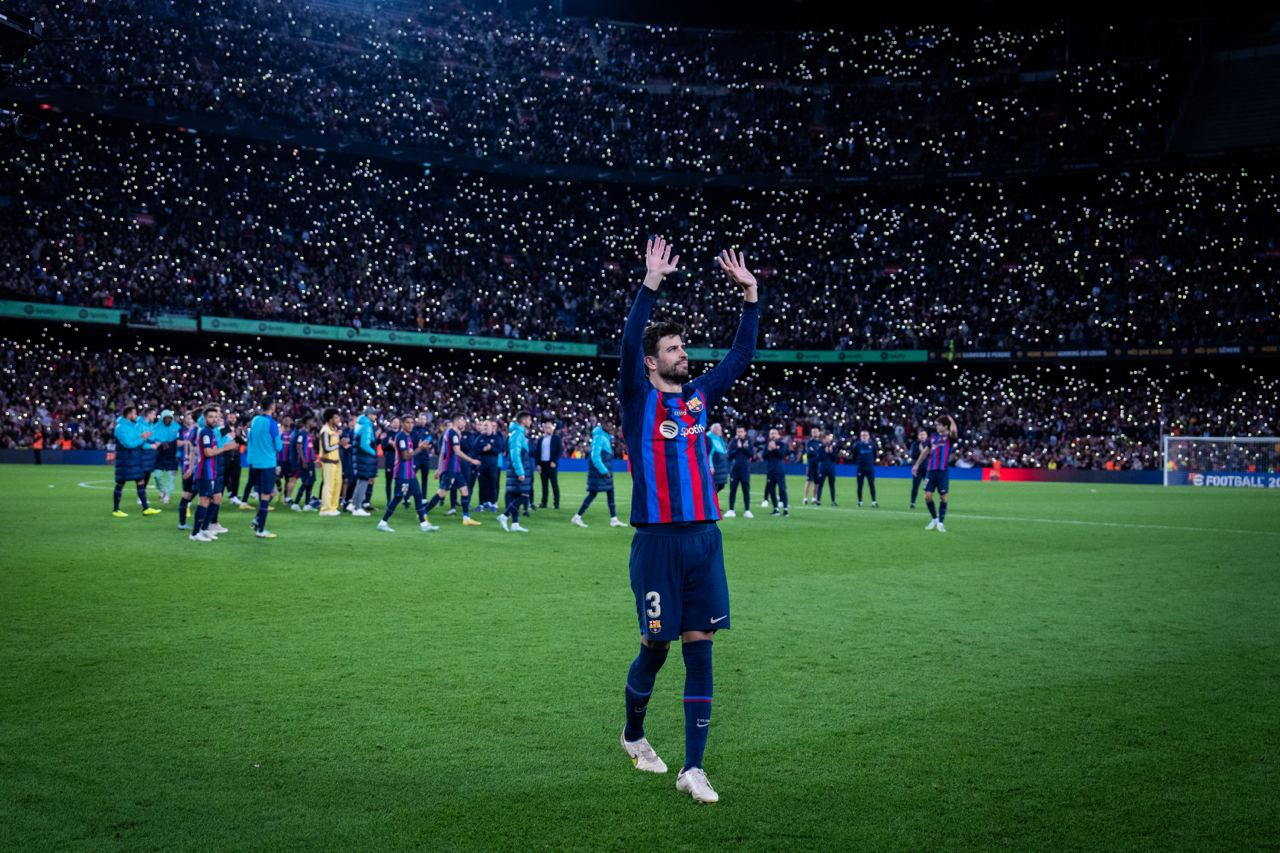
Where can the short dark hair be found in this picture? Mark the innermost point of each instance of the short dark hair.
(210, 409)
(329, 413)
(267, 403)
(523, 415)
(658, 330)
(128, 409)
(942, 421)
(406, 417)
(308, 416)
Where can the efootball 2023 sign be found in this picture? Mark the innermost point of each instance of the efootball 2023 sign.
(1237, 480)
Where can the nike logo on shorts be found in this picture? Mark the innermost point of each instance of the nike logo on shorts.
(719, 618)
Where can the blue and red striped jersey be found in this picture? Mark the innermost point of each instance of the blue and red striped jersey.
(449, 461)
(939, 451)
(206, 443)
(406, 469)
(666, 432)
(304, 451)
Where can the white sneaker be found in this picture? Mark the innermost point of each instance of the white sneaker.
(164, 499)
(931, 525)
(428, 527)
(746, 513)
(362, 513)
(308, 508)
(504, 522)
(642, 755)
(764, 504)
(198, 537)
(295, 507)
(384, 527)
(184, 526)
(694, 783)
(615, 522)
(330, 513)
(452, 512)
(516, 528)
(941, 529)
(207, 536)
(217, 528)
(730, 514)
(577, 519)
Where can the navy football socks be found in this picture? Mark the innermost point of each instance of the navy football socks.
(933, 510)
(942, 511)
(201, 513)
(142, 496)
(640, 680)
(182, 510)
(119, 491)
(697, 700)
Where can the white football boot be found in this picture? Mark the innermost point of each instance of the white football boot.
(694, 783)
(642, 755)
(932, 525)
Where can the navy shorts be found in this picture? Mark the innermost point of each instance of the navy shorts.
(407, 489)
(452, 480)
(937, 481)
(189, 485)
(811, 473)
(677, 575)
(204, 488)
(262, 480)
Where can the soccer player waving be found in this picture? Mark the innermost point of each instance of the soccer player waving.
(677, 564)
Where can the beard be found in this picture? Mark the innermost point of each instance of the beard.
(678, 372)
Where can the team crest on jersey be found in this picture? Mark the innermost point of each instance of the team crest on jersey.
(694, 404)
(669, 429)
(655, 626)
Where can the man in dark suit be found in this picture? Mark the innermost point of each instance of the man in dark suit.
(546, 453)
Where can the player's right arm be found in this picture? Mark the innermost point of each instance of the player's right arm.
(658, 263)
(924, 454)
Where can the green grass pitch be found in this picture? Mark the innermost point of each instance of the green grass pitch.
(1067, 667)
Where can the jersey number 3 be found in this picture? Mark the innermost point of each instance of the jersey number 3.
(655, 604)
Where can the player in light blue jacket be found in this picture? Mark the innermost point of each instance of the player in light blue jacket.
(599, 476)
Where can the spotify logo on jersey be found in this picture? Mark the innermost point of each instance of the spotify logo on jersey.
(669, 429)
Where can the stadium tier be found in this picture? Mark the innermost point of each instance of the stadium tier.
(527, 87)
(1061, 416)
(149, 220)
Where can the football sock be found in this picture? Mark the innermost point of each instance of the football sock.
(466, 506)
(213, 513)
(119, 491)
(260, 520)
(142, 495)
(434, 502)
(391, 507)
(942, 511)
(697, 700)
(933, 510)
(640, 679)
(182, 510)
(201, 512)
(613, 507)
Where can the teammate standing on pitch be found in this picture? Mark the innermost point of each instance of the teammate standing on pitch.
(938, 455)
(677, 564)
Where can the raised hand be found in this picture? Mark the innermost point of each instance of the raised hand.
(734, 265)
(658, 261)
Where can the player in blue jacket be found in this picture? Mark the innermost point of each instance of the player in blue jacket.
(130, 437)
(599, 476)
(519, 470)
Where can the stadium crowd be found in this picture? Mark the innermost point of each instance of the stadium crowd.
(531, 87)
(1044, 416)
(150, 220)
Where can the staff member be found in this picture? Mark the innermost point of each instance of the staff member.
(330, 442)
(549, 449)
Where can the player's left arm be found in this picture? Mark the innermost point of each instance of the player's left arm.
(954, 432)
(716, 381)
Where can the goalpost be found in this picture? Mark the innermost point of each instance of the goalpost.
(1221, 461)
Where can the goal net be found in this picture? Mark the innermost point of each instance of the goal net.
(1220, 461)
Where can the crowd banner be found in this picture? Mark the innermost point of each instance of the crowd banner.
(817, 356)
(59, 313)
